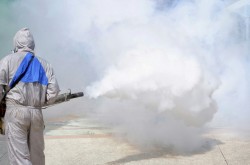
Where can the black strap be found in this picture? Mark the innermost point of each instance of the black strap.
(18, 79)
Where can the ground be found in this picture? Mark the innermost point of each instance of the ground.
(82, 141)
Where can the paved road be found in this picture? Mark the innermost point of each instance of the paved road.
(81, 141)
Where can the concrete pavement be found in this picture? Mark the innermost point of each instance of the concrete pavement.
(82, 141)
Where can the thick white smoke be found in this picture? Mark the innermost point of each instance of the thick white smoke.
(157, 70)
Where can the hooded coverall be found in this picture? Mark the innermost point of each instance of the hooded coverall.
(24, 123)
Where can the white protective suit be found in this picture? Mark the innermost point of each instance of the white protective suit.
(24, 123)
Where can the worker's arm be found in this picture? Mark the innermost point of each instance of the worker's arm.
(52, 88)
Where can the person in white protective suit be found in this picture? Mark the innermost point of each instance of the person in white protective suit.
(24, 123)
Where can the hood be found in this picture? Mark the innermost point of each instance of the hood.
(24, 41)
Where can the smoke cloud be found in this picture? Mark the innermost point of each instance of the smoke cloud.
(158, 71)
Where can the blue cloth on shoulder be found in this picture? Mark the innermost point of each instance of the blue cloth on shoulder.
(35, 72)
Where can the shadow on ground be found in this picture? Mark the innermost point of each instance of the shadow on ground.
(166, 153)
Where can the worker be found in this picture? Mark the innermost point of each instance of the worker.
(23, 119)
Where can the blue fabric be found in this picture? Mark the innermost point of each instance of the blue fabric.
(35, 72)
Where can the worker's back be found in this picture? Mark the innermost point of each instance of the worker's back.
(33, 88)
